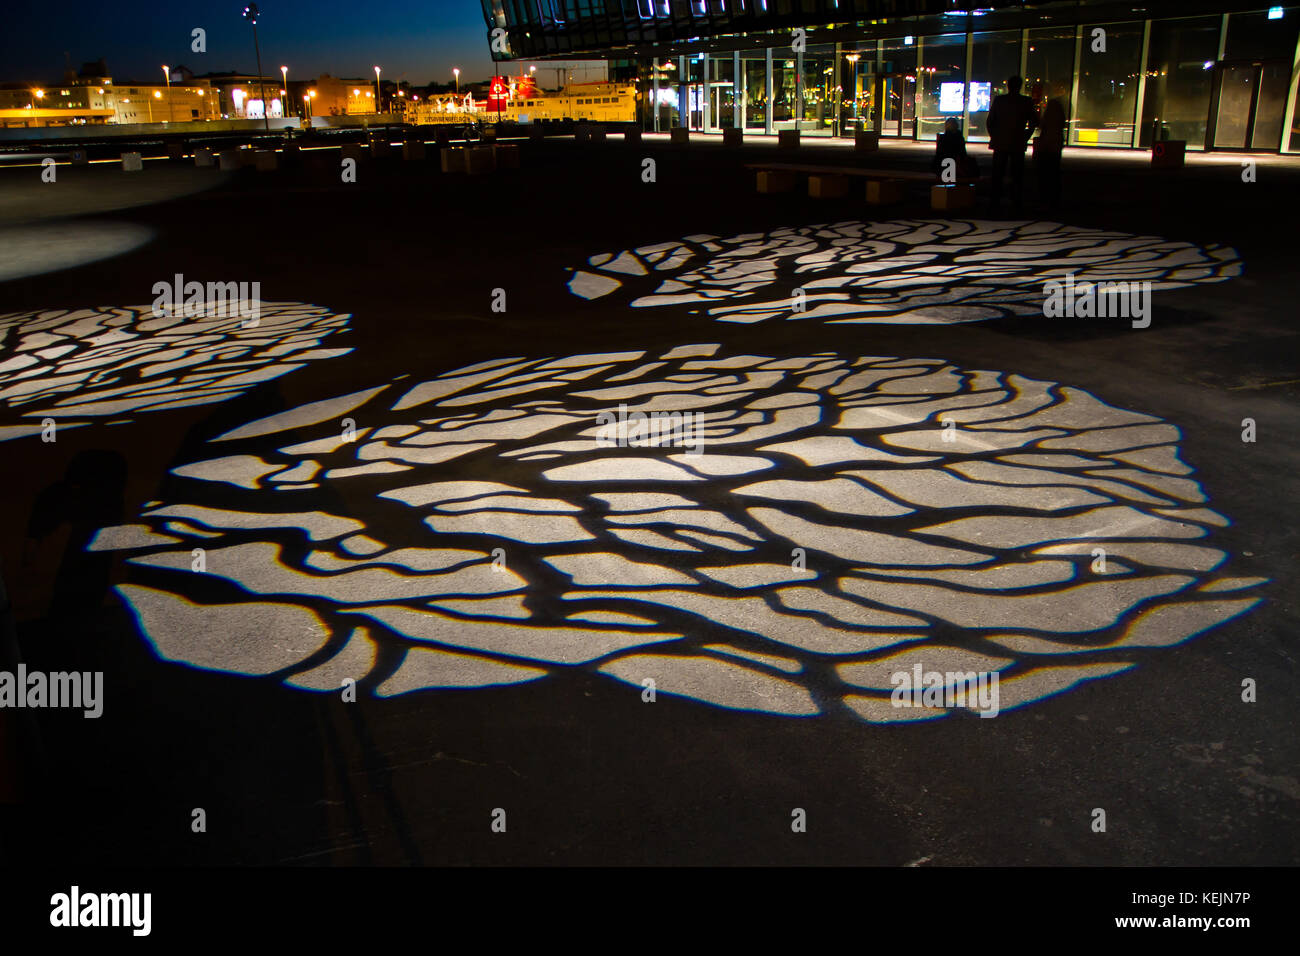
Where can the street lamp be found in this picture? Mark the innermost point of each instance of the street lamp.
(456, 72)
(251, 13)
(284, 81)
(167, 77)
(853, 58)
(378, 105)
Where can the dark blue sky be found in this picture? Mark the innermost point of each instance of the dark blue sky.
(415, 40)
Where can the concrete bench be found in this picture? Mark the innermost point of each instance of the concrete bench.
(884, 192)
(776, 181)
(949, 196)
(827, 186)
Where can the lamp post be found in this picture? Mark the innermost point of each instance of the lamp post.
(455, 71)
(167, 78)
(379, 106)
(251, 13)
(284, 81)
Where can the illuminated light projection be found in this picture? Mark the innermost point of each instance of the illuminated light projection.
(909, 271)
(75, 365)
(478, 529)
(36, 248)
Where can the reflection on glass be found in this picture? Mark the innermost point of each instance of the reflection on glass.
(994, 58)
(1235, 93)
(1179, 80)
(755, 79)
(1108, 82)
(940, 83)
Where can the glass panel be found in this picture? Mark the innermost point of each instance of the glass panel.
(1270, 107)
(818, 114)
(755, 71)
(1253, 36)
(994, 58)
(722, 106)
(1235, 93)
(1295, 125)
(783, 93)
(1180, 74)
(1108, 83)
(941, 83)
(1049, 63)
(858, 81)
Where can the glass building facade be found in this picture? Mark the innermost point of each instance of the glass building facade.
(1220, 76)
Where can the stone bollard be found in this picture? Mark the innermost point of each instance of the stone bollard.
(413, 149)
(632, 135)
(80, 157)
(480, 159)
(453, 159)
(866, 141)
(506, 156)
(132, 163)
(265, 160)
(732, 136)
(787, 138)
(1168, 153)
(680, 134)
(203, 157)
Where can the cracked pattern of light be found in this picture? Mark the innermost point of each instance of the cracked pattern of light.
(901, 271)
(474, 531)
(75, 365)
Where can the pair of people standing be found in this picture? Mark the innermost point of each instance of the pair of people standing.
(1011, 121)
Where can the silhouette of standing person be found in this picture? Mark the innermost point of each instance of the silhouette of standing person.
(1047, 157)
(1010, 123)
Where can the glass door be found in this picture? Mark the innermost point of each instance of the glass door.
(1249, 104)
(898, 105)
(1237, 86)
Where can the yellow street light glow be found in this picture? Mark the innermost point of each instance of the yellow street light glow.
(40, 94)
(356, 92)
(157, 94)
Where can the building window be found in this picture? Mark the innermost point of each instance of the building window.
(1108, 84)
(1180, 75)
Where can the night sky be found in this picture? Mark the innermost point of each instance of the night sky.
(415, 40)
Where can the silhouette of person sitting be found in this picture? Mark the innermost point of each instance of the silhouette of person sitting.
(951, 145)
(1011, 121)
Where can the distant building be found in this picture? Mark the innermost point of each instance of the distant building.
(92, 98)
